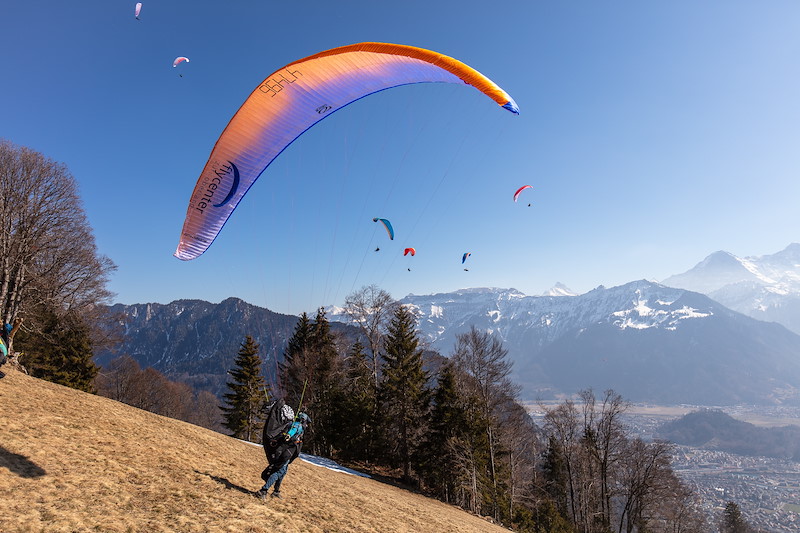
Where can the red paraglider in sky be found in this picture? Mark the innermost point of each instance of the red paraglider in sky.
(516, 194)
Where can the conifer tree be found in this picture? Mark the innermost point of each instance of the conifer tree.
(294, 369)
(62, 352)
(448, 422)
(310, 378)
(248, 394)
(403, 390)
(732, 520)
(323, 388)
(555, 476)
(355, 417)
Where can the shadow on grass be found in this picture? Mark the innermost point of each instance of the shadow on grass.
(225, 482)
(20, 465)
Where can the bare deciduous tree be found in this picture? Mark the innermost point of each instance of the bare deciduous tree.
(645, 479)
(562, 423)
(517, 435)
(125, 381)
(482, 357)
(370, 308)
(48, 257)
(604, 441)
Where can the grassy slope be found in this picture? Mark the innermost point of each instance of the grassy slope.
(71, 461)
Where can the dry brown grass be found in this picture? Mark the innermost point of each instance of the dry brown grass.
(71, 461)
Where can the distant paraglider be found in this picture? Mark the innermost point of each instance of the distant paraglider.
(411, 251)
(387, 225)
(464, 257)
(137, 10)
(290, 101)
(516, 194)
(178, 61)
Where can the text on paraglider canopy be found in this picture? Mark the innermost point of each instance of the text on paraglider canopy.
(213, 184)
(194, 237)
(273, 86)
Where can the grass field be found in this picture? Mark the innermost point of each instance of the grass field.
(75, 462)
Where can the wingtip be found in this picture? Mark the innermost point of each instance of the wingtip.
(512, 106)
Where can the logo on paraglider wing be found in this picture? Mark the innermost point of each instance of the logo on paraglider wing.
(323, 109)
(234, 186)
(212, 182)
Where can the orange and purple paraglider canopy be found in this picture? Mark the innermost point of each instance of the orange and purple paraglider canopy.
(291, 100)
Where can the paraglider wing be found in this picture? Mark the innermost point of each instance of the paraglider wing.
(387, 225)
(411, 251)
(516, 194)
(293, 99)
(179, 60)
(137, 10)
(465, 257)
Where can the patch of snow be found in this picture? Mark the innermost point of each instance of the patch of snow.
(688, 312)
(753, 269)
(780, 290)
(330, 465)
(628, 323)
(437, 311)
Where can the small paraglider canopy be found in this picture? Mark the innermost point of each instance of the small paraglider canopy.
(464, 257)
(138, 10)
(411, 251)
(516, 194)
(179, 60)
(387, 225)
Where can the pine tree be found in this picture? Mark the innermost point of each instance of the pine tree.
(62, 353)
(294, 369)
(403, 390)
(248, 394)
(448, 421)
(310, 378)
(554, 475)
(732, 520)
(354, 420)
(323, 388)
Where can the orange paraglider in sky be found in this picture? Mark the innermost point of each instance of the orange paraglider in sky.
(291, 100)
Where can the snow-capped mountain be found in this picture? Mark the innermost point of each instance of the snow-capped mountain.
(765, 287)
(647, 341)
(516, 318)
(559, 289)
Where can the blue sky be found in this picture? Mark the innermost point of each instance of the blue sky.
(653, 133)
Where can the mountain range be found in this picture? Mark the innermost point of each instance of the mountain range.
(765, 287)
(196, 341)
(648, 341)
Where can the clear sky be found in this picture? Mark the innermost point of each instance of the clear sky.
(653, 133)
